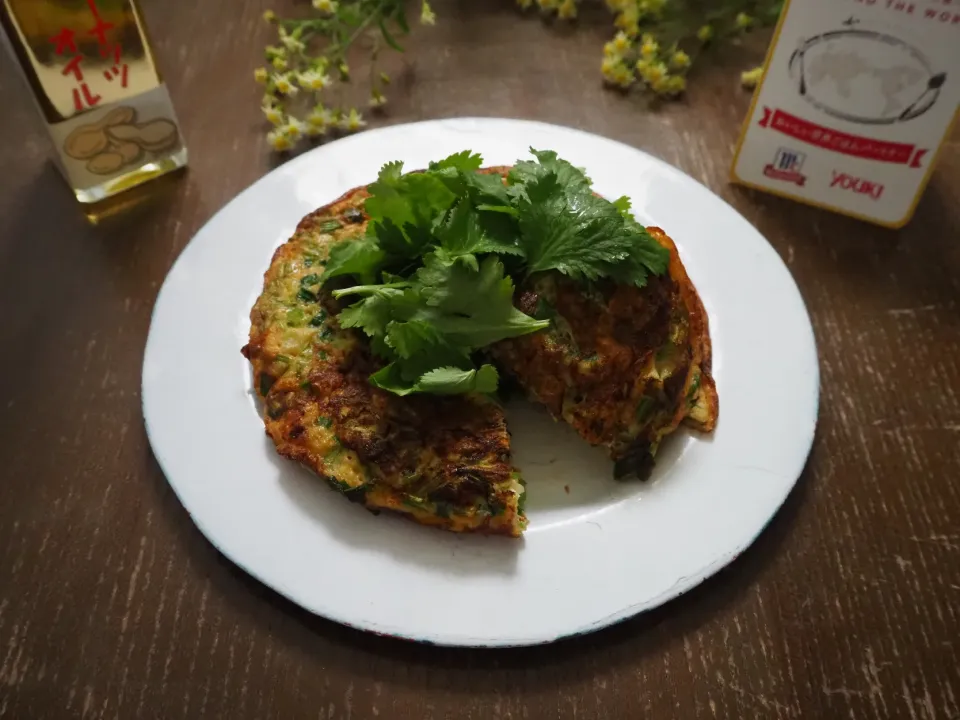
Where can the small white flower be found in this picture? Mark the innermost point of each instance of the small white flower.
(325, 6)
(377, 99)
(273, 114)
(320, 119)
(285, 85)
(353, 121)
(293, 129)
(279, 141)
(313, 80)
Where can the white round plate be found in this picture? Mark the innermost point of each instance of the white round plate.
(596, 550)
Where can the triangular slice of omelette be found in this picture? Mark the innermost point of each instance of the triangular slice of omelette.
(624, 366)
(442, 461)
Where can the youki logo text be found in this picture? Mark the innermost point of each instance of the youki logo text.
(858, 185)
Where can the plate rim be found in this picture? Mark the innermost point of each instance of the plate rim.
(680, 587)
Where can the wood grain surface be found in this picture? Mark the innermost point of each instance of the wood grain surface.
(112, 604)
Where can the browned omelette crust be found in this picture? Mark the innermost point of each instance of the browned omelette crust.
(703, 407)
(443, 461)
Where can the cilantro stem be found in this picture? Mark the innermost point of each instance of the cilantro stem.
(317, 24)
(369, 289)
(339, 49)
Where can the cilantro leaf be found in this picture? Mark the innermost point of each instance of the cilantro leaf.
(427, 195)
(414, 199)
(362, 258)
(570, 178)
(647, 251)
(542, 189)
(623, 204)
(418, 348)
(650, 254)
(439, 381)
(389, 378)
(386, 200)
(472, 308)
(500, 233)
(413, 337)
(486, 188)
(565, 227)
(466, 161)
(407, 244)
(463, 180)
(372, 314)
(436, 320)
(463, 235)
(410, 338)
(452, 381)
(467, 308)
(390, 172)
(583, 239)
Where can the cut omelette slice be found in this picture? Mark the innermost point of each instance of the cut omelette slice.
(624, 366)
(442, 461)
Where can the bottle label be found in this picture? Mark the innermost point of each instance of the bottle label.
(110, 141)
(856, 99)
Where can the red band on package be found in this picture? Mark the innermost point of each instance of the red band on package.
(841, 142)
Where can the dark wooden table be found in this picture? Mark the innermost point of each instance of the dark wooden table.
(112, 604)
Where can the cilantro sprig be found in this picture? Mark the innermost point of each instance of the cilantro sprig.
(434, 273)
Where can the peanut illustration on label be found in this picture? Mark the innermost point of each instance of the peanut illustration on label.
(118, 140)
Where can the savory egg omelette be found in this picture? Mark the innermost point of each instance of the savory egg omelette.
(623, 365)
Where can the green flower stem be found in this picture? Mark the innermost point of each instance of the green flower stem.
(306, 69)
